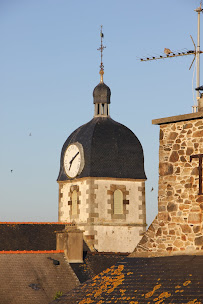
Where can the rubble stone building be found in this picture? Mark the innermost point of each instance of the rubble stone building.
(178, 227)
(167, 264)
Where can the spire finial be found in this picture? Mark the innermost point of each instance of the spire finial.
(101, 72)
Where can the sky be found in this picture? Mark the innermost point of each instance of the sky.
(49, 66)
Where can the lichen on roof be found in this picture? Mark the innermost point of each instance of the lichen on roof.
(174, 280)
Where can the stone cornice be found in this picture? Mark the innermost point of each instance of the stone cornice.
(112, 224)
(100, 178)
(177, 118)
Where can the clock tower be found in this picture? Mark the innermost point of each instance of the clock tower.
(102, 179)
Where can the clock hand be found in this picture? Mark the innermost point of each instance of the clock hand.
(73, 159)
(74, 156)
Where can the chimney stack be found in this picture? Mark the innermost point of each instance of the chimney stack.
(200, 103)
(71, 241)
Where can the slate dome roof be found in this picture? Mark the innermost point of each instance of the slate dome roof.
(102, 93)
(110, 150)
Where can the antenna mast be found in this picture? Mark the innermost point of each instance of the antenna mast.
(198, 10)
(196, 53)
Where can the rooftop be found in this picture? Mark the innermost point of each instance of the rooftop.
(171, 119)
(34, 278)
(175, 279)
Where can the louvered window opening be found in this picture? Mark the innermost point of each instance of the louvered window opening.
(118, 201)
(74, 202)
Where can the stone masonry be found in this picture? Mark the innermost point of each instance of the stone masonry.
(105, 231)
(178, 227)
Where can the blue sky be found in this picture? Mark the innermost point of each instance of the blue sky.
(49, 66)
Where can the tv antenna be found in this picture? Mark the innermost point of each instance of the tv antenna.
(196, 53)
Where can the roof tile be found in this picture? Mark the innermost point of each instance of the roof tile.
(174, 279)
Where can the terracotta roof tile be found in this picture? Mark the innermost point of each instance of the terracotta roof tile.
(30, 251)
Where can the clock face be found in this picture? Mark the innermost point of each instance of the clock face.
(74, 160)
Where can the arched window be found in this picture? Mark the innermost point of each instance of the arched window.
(74, 202)
(118, 201)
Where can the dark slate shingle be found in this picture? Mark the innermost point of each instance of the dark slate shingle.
(94, 263)
(28, 236)
(33, 278)
(174, 279)
(110, 150)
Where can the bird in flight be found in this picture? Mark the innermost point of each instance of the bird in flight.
(152, 189)
(11, 171)
(30, 134)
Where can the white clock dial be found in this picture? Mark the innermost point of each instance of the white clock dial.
(73, 160)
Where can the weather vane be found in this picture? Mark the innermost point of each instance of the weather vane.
(196, 52)
(101, 72)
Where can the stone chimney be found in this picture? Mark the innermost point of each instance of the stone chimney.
(200, 103)
(71, 241)
(178, 227)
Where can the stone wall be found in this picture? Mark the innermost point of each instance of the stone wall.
(178, 227)
(104, 230)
